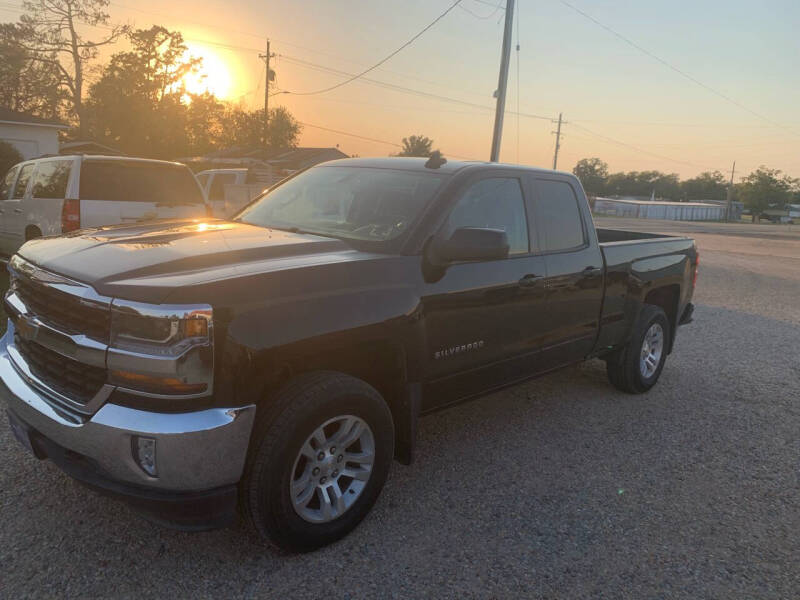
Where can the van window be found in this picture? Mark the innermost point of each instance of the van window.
(51, 179)
(8, 183)
(22, 181)
(203, 179)
(217, 191)
(133, 181)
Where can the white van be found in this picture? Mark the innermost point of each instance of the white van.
(229, 190)
(58, 194)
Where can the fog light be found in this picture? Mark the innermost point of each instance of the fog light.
(144, 451)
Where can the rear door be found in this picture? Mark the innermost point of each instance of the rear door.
(482, 318)
(574, 280)
(216, 192)
(42, 208)
(120, 191)
(12, 234)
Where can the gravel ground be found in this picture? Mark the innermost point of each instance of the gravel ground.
(558, 488)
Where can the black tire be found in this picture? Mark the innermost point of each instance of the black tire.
(302, 406)
(623, 366)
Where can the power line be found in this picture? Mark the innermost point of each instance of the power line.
(483, 17)
(369, 139)
(671, 66)
(383, 60)
(637, 148)
(399, 88)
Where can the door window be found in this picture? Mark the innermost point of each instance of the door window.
(51, 179)
(22, 181)
(560, 215)
(495, 203)
(217, 191)
(8, 183)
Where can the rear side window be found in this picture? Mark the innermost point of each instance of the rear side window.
(51, 179)
(495, 203)
(8, 183)
(22, 181)
(217, 191)
(560, 214)
(129, 181)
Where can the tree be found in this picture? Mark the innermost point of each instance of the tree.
(54, 39)
(709, 185)
(644, 184)
(139, 103)
(593, 173)
(245, 128)
(26, 84)
(765, 188)
(9, 156)
(417, 145)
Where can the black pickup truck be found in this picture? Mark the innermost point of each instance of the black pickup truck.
(277, 362)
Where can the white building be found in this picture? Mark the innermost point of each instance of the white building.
(675, 211)
(32, 136)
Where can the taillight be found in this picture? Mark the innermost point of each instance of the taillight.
(70, 215)
(696, 269)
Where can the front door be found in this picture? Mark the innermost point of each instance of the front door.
(13, 217)
(480, 318)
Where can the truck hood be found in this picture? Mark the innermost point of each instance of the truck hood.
(166, 254)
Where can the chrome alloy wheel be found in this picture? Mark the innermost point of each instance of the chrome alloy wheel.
(652, 348)
(332, 469)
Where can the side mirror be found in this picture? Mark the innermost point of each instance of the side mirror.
(472, 243)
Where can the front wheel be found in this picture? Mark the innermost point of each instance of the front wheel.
(319, 456)
(637, 367)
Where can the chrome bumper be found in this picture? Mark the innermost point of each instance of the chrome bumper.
(195, 451)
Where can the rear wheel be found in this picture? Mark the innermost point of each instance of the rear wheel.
(318, 459)
(637, 367)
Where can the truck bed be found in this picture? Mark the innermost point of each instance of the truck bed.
(635, 261)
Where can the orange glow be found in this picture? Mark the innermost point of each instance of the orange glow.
(213, 76)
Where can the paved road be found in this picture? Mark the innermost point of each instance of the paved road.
(559, 488)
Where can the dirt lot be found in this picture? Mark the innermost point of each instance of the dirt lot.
(558, 488)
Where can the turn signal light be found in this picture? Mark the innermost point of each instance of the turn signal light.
(155, 385)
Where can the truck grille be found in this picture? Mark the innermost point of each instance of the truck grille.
(63, 311)
(76, 380)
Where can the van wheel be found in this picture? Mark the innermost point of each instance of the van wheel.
(31, 233)
(637, 367)
(319, 456)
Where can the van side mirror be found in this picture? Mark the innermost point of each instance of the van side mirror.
(472, 244)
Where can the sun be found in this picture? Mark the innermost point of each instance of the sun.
(213, 76)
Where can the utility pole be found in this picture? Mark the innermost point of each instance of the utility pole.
(502, 83)
(267, 72)
(558, 142)
(729, 203)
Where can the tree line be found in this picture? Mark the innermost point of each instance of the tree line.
(760, 190)
(136, 102)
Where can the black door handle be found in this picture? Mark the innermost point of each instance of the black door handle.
(530, 280)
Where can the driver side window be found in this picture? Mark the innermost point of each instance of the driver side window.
(496, 203)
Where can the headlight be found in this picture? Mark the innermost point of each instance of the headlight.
(160, 333)
(161, 350)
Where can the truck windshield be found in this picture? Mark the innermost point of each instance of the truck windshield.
(359, 203)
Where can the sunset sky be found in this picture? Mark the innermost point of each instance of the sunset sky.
(620, 104)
